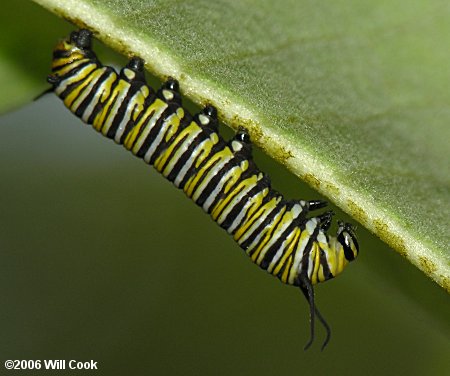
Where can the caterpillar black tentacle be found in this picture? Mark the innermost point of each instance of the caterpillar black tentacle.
(308, 292)
(316, 204)
(219, 176)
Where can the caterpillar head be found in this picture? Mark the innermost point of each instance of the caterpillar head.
(347, 238)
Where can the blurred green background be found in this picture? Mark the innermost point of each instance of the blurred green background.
(103, 259)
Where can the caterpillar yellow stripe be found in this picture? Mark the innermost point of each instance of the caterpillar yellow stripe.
(279, 235)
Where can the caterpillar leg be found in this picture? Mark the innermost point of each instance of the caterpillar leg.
(241, 143)
(308, 292)
(208, 118)
(170, 92)
(136, 64)
(211, 111)
(325, 220)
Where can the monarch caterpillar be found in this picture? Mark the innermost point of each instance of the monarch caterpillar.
(219, 176)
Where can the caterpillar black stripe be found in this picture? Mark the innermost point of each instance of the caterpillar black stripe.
(219, 176)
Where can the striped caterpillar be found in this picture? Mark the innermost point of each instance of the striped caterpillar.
(220, 176)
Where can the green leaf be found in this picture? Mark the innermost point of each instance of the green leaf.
(352, 96)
